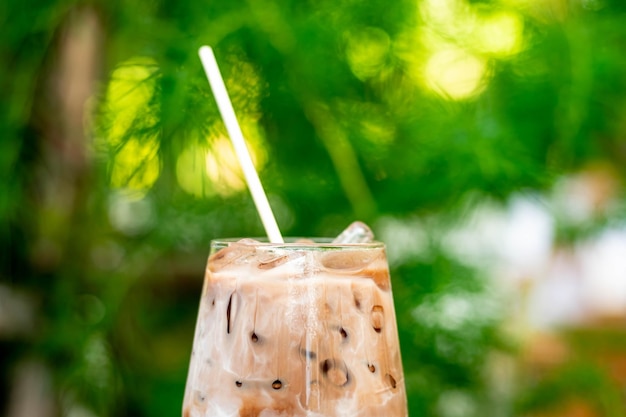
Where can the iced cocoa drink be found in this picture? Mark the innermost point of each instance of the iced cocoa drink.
(295, 330)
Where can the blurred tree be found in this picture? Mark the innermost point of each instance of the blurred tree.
(117, 172)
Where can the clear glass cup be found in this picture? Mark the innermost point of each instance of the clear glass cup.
(304, 328)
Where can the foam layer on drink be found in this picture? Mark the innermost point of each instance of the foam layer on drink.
(285, 332)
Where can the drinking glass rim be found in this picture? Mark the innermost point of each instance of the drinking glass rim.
(295, 243)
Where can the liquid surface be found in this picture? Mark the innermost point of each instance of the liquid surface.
(287, 333)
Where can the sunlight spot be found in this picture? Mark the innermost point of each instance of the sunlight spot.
(377, 130)
(212, 167)
(129, 214)
(500, 34)
(440, 12)
(207, 165)
(79, 410)
(191, 171)
(454, 19)
(223, 168)
(97, 358)
(407, 239)
(366, 51)
(136, 166)
(456, 311)
(130, 89)
(456, 74)
(456, 403)
(128, 126)
(371, 120)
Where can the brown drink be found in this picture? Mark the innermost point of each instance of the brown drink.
(296, 329)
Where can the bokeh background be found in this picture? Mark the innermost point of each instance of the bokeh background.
(483, 141)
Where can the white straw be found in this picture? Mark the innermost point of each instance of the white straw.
(234, 130)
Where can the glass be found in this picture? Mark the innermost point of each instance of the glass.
(304, 328)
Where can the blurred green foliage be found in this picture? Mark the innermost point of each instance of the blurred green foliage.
(116, 174)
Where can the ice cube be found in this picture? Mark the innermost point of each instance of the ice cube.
(235, 253)
(349, 261)
(280, 258)
(272, 260)
(357, 232)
